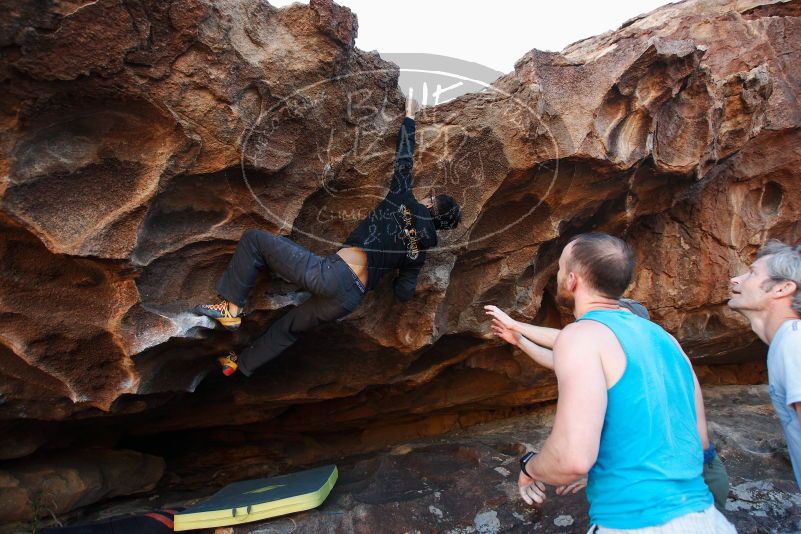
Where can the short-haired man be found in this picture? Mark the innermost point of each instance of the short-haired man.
(627, 419)
(537, 342)
(769, 295)
(394, 236)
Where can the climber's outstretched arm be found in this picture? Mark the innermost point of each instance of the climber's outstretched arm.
(404, 152)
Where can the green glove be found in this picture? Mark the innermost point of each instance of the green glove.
(717, 479)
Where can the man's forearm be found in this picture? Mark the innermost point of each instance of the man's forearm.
(547, 466)
(541, 355)
(404, 143)
(541, 335)
(402, 174)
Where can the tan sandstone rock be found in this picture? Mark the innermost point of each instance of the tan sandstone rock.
(140, 139)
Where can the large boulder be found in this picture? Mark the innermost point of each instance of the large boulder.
(52, 485)
(142, 138)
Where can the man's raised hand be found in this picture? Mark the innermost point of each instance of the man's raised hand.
(499, 316)
(506, 334)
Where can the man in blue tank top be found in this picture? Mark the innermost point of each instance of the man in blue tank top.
(625, 418)
(537, 342)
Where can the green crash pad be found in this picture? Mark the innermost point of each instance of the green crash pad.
(253, 500)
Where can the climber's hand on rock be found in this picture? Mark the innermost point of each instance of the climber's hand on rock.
(498, 314)
(573, 487)
(411, 106)
(532, 491)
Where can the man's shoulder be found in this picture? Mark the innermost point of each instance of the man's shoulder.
(794, 329)
(784, 354)
(789, 337)
(577, 349)
(581, 333)
(577, 327)
(401, 198)
(411, 201)
(588, 326)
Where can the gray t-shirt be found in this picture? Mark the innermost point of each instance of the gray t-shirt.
(784, 377)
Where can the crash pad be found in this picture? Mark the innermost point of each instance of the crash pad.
(254, 500)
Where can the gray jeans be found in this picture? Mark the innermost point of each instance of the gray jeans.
(334, 287)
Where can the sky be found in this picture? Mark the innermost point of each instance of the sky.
(494, 34)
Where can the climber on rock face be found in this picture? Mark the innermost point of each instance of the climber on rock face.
(395, 235)
(629, 414)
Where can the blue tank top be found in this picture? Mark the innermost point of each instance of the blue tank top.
(650, 461)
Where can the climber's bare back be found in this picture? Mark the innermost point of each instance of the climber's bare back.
(356, 259)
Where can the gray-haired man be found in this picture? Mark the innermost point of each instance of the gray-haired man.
(769, 295)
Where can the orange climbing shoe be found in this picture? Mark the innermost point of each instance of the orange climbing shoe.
(221, 313)
(229, 363)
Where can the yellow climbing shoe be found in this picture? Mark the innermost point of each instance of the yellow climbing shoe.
(229, 363)
(221, 313)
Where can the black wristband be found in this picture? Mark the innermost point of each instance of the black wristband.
(524, 460)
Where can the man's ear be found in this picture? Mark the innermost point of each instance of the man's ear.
(786, 287)
(572, 281)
